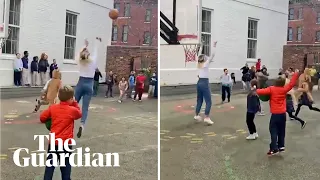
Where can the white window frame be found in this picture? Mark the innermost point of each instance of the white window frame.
(290, 34)
(70, 60)
(206, 36)
(299, 33)
(114, 37)
(125, 33)
(252, 39)
(12, 26)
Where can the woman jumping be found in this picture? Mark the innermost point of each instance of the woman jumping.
(88, 65)
(203, 90)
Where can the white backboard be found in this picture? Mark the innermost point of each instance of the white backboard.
(188, 15)
(4, 17)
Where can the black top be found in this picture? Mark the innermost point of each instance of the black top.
(97, 75)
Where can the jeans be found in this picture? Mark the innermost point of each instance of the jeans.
(95, 88)
(17, 78)
(65, 171)
(130, 91)
(203, 92)
(277, 128)
(84, 89)
(250, 122)
(224, 90)
(109, 89)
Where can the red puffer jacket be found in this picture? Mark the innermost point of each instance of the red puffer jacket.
(278, 95)
(63, 116)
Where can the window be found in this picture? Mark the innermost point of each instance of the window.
(125, 33)
(127, 10)
(291, 14)
(300, 13)
(299, 34)
(206, 32)
(116, 6)
(318, 36)
(318, 17)
(148, 15)
(114, 33)
(252, 38)
(147, 38)
(70, 35)
(11, 45)
(290, 34)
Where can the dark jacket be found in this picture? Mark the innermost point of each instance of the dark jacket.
(43, 65)
(25, 62)
(110, 80)
(253, 102)
(52, 68)
(153, 80)
(34, 66)
(97, 75)
(244, 69)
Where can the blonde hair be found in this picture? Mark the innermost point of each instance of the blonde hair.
(66, 93)
(82, 53)
(201, 61)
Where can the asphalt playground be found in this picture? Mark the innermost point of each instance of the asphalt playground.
(195, 151)
(129, 129)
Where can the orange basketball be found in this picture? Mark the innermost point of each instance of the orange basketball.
(114, 14)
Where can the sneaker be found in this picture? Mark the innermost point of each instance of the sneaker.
(119, 101)
(251, 137)
(261, 114)
(291, 118)
(228, 100)
(303, 124)
(140, 100)
(106, 96)
(256, 135)
(80, 131)
(282, 149)
(208, 121)
(197, 118)
(133, 100)
(272, 152)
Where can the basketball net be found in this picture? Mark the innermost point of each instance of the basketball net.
(190, 49)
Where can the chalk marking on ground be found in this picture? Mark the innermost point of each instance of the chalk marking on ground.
(11, 116)
(162, 133)
(209, 133)
(165, 131)
(190, 134)
(186, 137)
(212, 135)
(14, 148)
(229, 170)
(232, 137)
(240, 130)
(169, 137)
(197, 139)
(196, 142)
(226, 135)
(161, 139)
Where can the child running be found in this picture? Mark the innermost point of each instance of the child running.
(277, 125)
(253, 106)
(290, 105)
(123, 86)
(139, 86)
(62, 116)
(305, 98)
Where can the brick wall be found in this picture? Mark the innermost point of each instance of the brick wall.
(119, 59)
(293, 55)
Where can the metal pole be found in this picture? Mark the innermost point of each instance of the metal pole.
(174, 12)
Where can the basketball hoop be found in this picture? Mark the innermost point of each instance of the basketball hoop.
(3, 39)
(190, 49)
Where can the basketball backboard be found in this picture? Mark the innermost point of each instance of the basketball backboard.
(185, 15)
(4, 17)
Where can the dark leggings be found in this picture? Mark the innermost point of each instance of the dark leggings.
(295, 117)
(309, 106)
(250, 123)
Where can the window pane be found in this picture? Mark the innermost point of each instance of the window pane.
(206, 40)
(117, 6)
(127, 9)
(251, 49)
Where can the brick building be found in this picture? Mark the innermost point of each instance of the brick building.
(137, 24)
(303, 38)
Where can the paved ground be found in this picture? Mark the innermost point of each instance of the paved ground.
(193, 151)
(129, 129)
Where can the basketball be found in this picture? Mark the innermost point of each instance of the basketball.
(114, 14)
(48, 124)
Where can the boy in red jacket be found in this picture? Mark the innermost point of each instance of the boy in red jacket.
(277, 126)
(63, 116)
(139, 86)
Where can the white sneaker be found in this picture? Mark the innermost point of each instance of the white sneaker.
(208, 121)
(261, 114)
(256, 135)
(251, 137)
(119, 101)
(197, 118)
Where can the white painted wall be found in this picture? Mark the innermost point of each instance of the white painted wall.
(230, 29)
(43, 30)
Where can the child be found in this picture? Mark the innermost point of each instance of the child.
(54, 86)
(305, 97)
(139, 86)
(152, 84)
(43, 97)
(226, 83)
(123, 86)
(62, 117)
(97, 76)
(34, 71)
(277, 125)
(132, 82)
(253, 106)
(290, 105)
